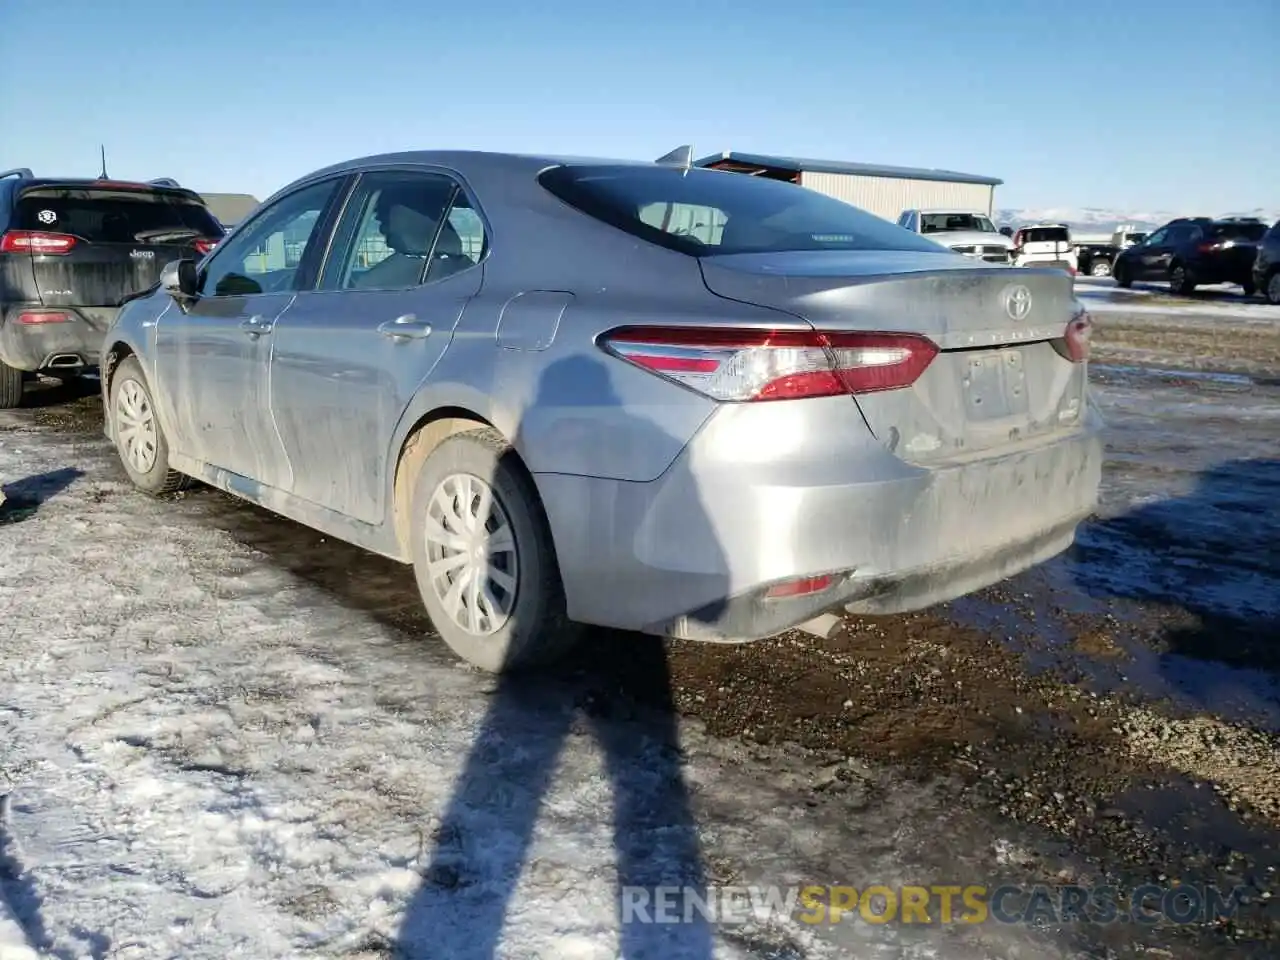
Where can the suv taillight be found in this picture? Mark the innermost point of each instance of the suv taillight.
(752, 365)
(36, 242)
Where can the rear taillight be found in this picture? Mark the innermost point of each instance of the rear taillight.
(1078, 336)
(43, 316)
(204, 246)
(36, 242)
(744, 365)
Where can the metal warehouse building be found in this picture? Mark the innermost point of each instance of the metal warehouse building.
(884, 191)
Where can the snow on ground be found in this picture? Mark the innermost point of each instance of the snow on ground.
(204, 755)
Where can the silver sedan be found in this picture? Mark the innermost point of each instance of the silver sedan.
(571, 391)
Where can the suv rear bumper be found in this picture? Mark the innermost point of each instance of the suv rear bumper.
(71, 345)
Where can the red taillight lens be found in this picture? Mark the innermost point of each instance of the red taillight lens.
(800, 588)
(43, 316)
(36, 242)
(204, 246)
(1078, 336)
(744, 365)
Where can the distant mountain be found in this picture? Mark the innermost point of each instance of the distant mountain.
(1097, 220)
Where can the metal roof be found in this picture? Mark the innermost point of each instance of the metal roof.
(798, 164)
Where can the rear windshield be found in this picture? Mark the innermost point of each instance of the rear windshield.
(944, 222)
(710, 212)
(115, 216)
(1045, 235)
(1239, 231)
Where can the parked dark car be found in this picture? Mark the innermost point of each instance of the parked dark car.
(71, 252)
(1193, 251)
(1266, 265)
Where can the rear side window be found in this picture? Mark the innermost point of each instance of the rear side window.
(711, 212)
(1239, 231)
(115, 216)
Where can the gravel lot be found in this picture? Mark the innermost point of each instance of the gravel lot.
(1113, 715)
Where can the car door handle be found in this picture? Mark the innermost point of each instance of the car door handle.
(255, 326)
(407, 327)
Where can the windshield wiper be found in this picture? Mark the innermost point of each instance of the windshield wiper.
(166, 233)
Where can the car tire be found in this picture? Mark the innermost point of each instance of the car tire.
(1122, 276)
(144, 450)
(1180, 281)
(1099, 268)
(11, 382)
(519, 622)
(1272, 291)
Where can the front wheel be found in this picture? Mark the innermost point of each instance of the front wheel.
(140, 440)
(11, 381)
(1180, 281)
(1099, 268)
(1124, 278)
(484, 559)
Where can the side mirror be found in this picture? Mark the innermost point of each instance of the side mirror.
(1007, 231)
(178, 278)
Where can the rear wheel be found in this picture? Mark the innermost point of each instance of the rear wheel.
(1180, 281)
(140, 440)
(1099, 268)
(1273, 288)
(484, 559)
(11, 381)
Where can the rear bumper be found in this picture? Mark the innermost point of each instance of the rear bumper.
(71, 345)
(760, 497)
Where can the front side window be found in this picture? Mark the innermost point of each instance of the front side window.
(265, 256)
(402, 229)
(711, 212)
(1157, 238)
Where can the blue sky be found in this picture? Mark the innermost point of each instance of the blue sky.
(1129, 105)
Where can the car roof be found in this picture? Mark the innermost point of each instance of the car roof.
(480, 164)
(90, 183)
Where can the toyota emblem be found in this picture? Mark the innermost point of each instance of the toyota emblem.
(1017, 302)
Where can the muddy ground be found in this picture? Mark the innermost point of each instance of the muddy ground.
(1121, 701)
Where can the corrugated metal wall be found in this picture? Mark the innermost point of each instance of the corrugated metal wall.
(889, 196)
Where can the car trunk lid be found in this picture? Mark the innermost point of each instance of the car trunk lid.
(1003, 376)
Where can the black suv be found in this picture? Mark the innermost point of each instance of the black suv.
(1266, 265)
(1191, 251)
(71, 253)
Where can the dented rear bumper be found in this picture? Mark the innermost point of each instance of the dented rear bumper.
(768, 493)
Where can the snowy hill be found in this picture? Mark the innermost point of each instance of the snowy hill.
(1097, 220)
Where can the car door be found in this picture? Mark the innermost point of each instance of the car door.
(350, 354)
(212, 354)
(1150, 258)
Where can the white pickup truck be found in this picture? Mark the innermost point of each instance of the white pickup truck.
(968, 232)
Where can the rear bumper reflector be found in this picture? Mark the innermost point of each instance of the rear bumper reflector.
(43, 316)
